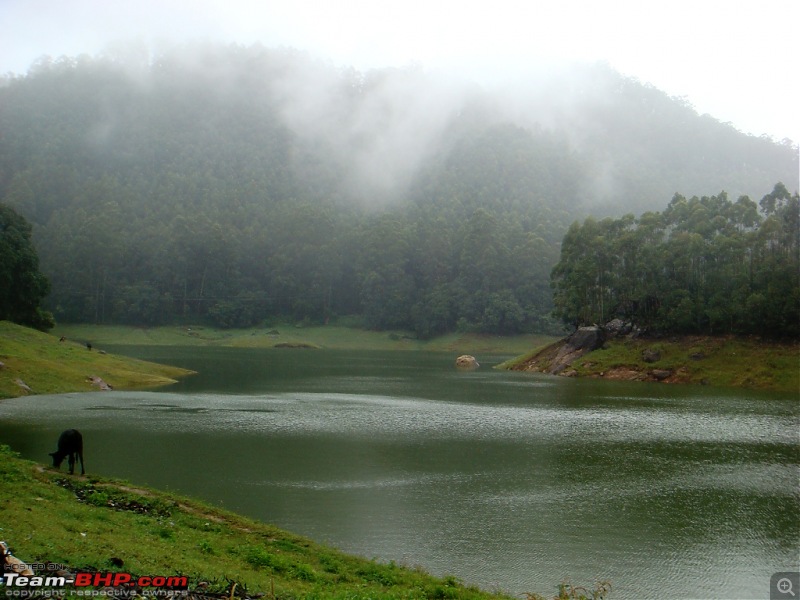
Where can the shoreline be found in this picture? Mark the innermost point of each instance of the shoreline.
(96, 524)
(35, 363)
(722, 361)
(46, 365)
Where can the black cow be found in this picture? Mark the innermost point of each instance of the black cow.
(70, 443)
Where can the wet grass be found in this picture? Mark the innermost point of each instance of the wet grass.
(48, 366)
(93, 524)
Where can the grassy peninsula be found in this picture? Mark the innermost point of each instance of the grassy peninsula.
(38, 363)
(728, 361)
(89, 524)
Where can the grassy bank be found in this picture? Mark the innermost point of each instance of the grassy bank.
(719, 361)
(328, 336)
(46, 365)
(93, 524)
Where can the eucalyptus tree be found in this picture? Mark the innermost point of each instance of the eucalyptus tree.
(22, 285)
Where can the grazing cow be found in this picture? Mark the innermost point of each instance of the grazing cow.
(70, 443)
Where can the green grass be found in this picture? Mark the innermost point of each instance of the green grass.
(49, 366)
(719, 361)
(518, 361)
(85, 522)
(328, 336)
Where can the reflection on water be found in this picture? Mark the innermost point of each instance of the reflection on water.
(501, 479)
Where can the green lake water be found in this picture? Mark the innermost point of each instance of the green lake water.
(505, 480)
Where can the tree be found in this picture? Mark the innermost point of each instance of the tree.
(704, 265)
(22, 286)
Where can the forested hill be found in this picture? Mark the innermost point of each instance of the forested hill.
(236, 184)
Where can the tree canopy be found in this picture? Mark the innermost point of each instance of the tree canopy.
(22, 285)
(703, 265)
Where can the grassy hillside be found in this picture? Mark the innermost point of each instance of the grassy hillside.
(706, 360)
(92, 524)
(329, 336)
(48, 366)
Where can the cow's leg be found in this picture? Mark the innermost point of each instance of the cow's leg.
(80, 457)
(71, 463)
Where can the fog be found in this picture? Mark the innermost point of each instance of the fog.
(383, 124)
(731, 61)
(218, 178)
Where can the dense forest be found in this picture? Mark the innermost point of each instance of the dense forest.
(22, 285)
(237, 185)
(703, 265)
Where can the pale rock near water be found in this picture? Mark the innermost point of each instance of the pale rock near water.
(465, 361)
(23, 385)
(95, 380)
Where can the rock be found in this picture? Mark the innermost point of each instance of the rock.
(465, 361)
(697, 356)
(100, 383)
(2, 365)
(583, 341)
(569, 373)
(618, 327)
(650, 356)
(23, 385)
(660, 374)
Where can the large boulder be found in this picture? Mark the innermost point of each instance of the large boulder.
(583, 341)
(618, 328)
(465, 361)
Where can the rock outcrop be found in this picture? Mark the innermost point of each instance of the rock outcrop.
(583, 341)
(557, 357)
(98, 381)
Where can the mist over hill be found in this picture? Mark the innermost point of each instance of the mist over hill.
(236, 184)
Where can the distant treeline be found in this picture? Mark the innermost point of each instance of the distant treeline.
(704, 265)
(235, 185)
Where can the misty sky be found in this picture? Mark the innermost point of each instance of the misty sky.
(735, 60)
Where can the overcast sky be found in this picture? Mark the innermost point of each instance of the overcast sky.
(737, 61)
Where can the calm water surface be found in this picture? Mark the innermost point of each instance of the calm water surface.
(502, 479)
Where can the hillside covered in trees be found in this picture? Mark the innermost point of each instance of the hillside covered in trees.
(234, 185)
(703, 265)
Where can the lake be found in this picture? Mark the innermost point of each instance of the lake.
(506, 480)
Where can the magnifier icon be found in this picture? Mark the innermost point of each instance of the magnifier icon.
(785, 586)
